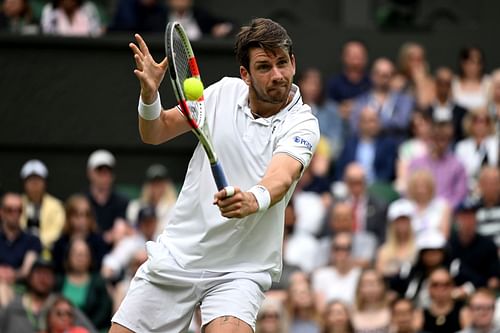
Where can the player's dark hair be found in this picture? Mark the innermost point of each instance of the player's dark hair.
(262, 33)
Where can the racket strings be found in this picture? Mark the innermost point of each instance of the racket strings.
(184, 71)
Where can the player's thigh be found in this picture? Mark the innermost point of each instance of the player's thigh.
(227, 324)
(232, 302)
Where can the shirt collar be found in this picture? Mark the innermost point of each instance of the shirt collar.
(242, 103)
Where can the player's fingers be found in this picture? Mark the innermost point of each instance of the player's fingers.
(138, 62)
(135, 50)
(142, 44)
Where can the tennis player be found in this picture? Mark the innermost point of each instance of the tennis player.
(222, 251)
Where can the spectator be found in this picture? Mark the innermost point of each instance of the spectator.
(271, 317)
(152, 16)
(494, 102)
(413, 75)
(27, 313)
(472, 87)
(375, 152)
(412, 282)
(120, 289)
(43, 214)
(488, 213)
(16, 16)
(80, 223)
(482, 307)
(480, 147)
(302, 247)
(431, 211)
(7, 285)
(331, 125)
(403, 316)
(115, 262)
(71, 18)
(18, 249)
(338, 280)
(371, 311)
(443, 314)
(85, 289)
(109, 206)
(369, 210)
(399, 250)
(337, 318)
(393, 107)
(302, 313)
(364, 244)
(445, 104)
(449, 174)
(413, 148)
(354, 79)
(477, 254)
(61, 317)
(159, 192)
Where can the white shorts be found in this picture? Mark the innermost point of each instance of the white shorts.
(162, 296)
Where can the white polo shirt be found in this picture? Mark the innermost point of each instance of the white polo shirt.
(198, 237)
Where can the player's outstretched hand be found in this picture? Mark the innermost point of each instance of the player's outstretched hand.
(239, 205)
(148, 71)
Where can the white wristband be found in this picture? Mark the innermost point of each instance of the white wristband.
(262, 195)
(150, 111)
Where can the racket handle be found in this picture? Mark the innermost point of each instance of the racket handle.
(219, 176)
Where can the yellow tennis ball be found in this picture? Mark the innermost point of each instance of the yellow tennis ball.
(193, 88)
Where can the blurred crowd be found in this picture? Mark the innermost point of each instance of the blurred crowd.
(394, 226)
(93, 18)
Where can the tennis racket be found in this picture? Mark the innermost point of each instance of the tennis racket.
(181, 66)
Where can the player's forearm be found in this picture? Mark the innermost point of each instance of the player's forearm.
(277, 184)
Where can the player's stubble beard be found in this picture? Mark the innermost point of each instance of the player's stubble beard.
(263, 96)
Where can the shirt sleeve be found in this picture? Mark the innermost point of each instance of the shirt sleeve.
(299, 137)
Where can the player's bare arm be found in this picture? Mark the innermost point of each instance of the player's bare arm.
(150, 75)
(280, 175)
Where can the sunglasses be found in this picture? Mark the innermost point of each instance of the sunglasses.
(337, 248)
(81, 213)
(64, 313)
(13, 209)
(436, 284)
(482, 307)
(270, 315)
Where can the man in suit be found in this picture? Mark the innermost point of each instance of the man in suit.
(376, 153)
(369, 212)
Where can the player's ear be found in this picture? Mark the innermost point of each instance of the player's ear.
(245, 75)
(292, 61)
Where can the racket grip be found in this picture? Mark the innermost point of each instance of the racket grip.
(219, 176)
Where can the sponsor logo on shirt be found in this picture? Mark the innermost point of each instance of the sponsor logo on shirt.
(303, 142)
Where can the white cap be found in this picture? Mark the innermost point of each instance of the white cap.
(99, 158)
(400, 208)
(430, 240)
(34, 168)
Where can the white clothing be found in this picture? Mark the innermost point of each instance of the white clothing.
(332, 285)
(85, 21)
(302, 250)
(430, 218)
(119, 258)
(198, 237)
(471, 156)
(471, 99)
(162, 296)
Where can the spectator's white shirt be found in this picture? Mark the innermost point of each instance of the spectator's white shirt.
(198, 237)
(332, 285)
